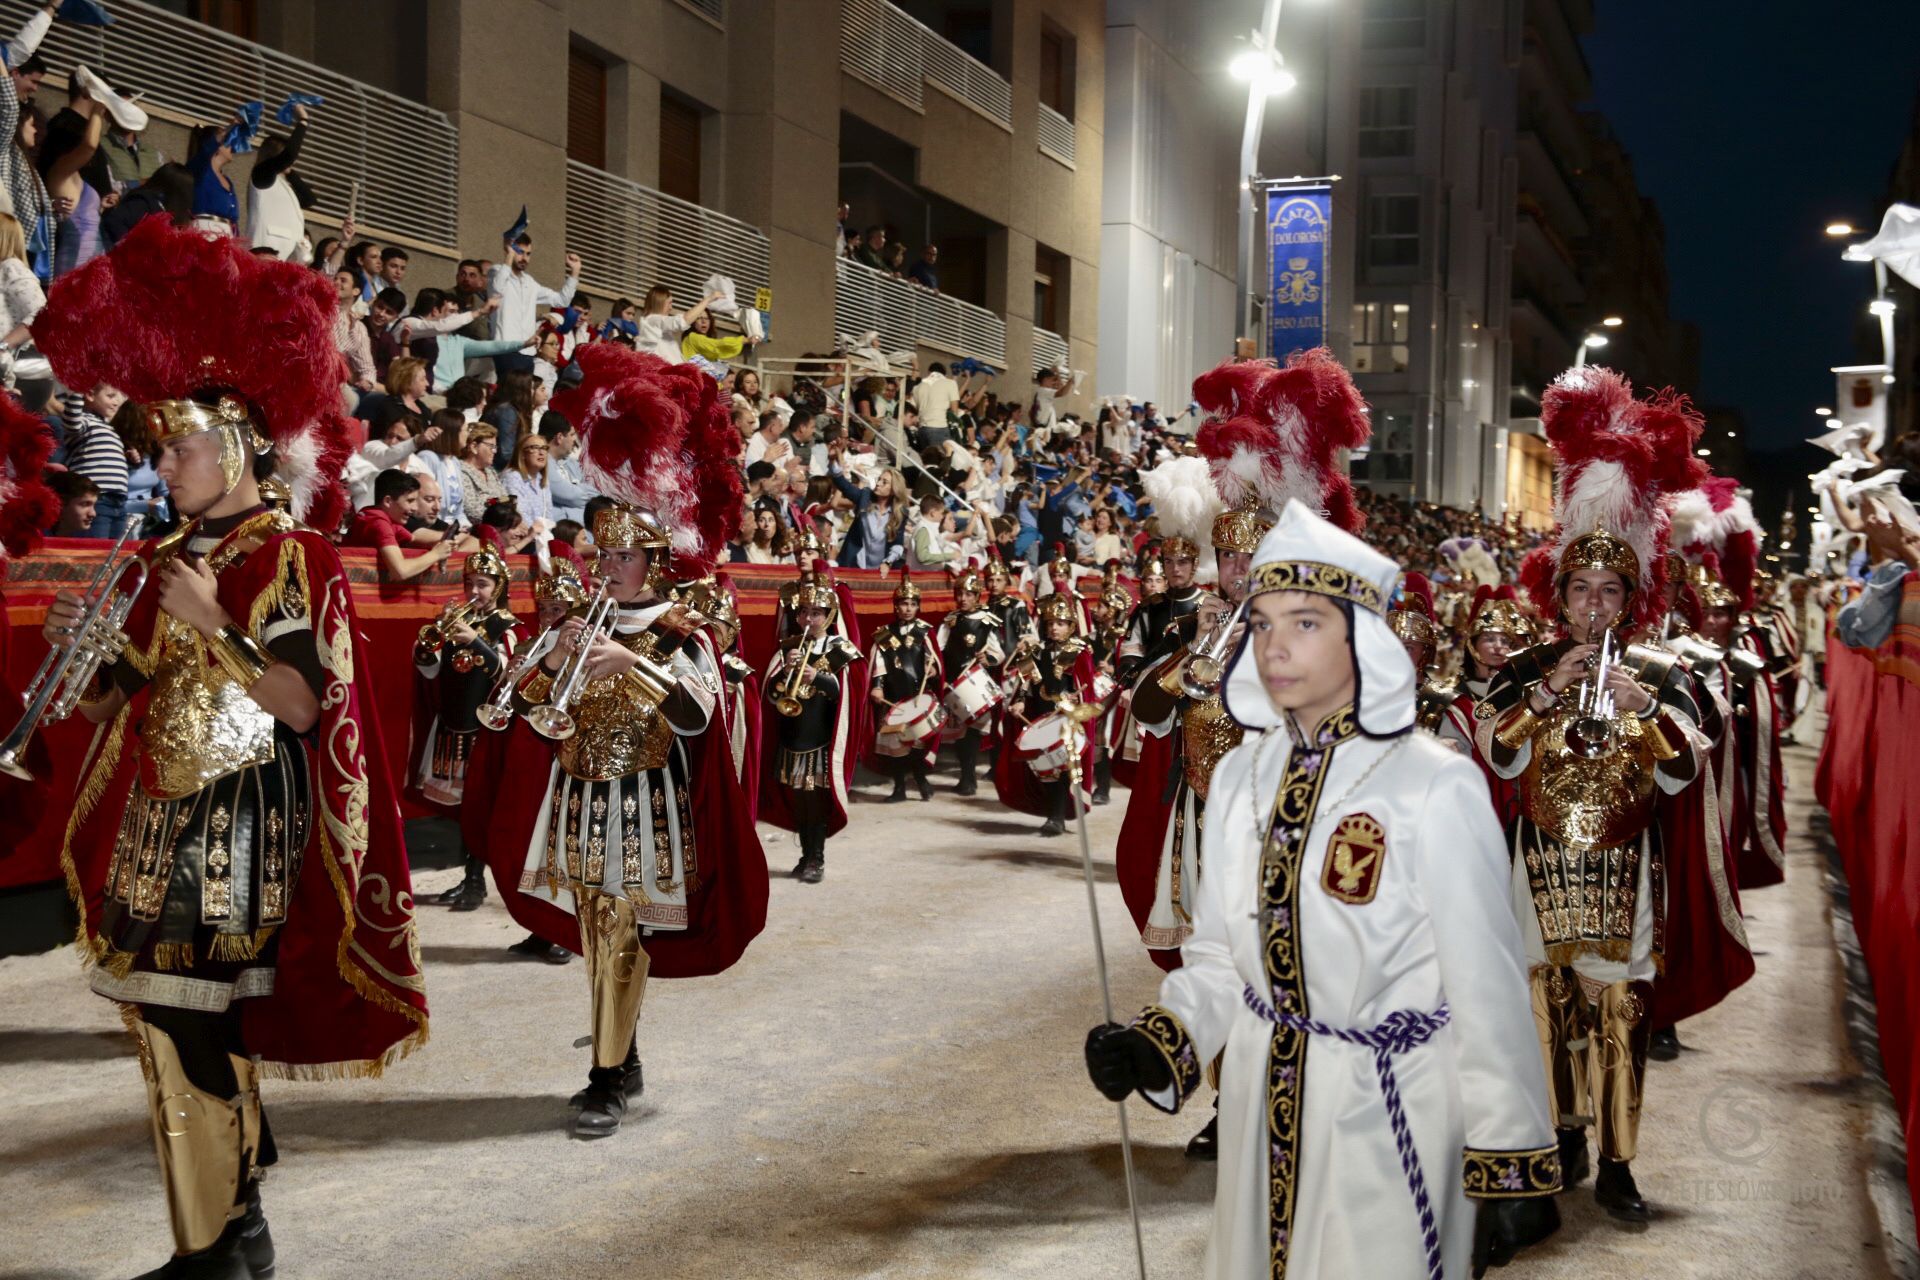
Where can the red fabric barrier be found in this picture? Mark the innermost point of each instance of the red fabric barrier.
(1869, 766)
(391, 616)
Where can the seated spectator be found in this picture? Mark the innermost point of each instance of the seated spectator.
(516, 531)
(546, 359)
(438, 455)
(96, 451)
(1096, 540)
(766, 444)
(479, 481)
(746, 390)
(21, 296)
(767, 543)
(803, 433)
(407, 386)
(394, 448)
(526, 479)
(930, 545)
(78, 498)
(383, 315)
(514, 408)
(351, 334)
(393, 266)
(564, 477)
(926, 272)
(168, 189)
(383, 526)
(760, 476)
(437, 317)
(573, 534)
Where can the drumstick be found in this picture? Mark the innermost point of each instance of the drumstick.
(1076, 731)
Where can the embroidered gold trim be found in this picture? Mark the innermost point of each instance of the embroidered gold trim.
(1319, 578)
(1510, 1175)
(1163, 1028)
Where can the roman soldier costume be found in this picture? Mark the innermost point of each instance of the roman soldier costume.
(1414, 622)
(1036, 777)
(241, 880)
(970, 653)
(1495, 611)
(803, 785)
(904, 672)
(1590, 863)
(621, 829)
(1016, 621)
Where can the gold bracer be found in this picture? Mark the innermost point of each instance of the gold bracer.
(204, 1142)
(1207, 734)
(200, 724)
(240, 655)
(616, 972)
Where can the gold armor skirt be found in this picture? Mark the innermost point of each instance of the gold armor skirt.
(805, 770)
(630, 837)
(199, 884)
(443, 765)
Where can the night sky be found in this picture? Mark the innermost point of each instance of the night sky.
(1753, 124)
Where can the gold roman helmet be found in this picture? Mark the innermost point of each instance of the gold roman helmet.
(807, 547)
(818, 593)
(1412, 625)
(713, 602)
(559, 585)
(1599, 550)
(489, 561)
(1178, 546)
(1058, 607)
(998, 579)
(1713, 593)
(1240, 529)
(626, 528)
(1504, 616)
(907, 591)
(240, 440)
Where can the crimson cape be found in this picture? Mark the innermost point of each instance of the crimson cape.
(1014, 782)
(1707, 954)
(1142, 833)
(348, 995)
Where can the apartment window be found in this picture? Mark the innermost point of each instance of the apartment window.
(1390, 459)
(1394, 24)
(970, 29)
(235, 17)
(1386, 122)
(586, 109)
(1380, 332)
(1049, 289)
(1393, 231)
(1056, 70)
(679, 147)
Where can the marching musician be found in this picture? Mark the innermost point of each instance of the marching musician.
(458, 658)
(244, 894)
(804, 791)
(970, 652)
(902, 666)
(1110, 614)
(1060, 666)
(1591, 751)
(1497, 626)
(1413, 622)
(1165, 619)
(1016, 623)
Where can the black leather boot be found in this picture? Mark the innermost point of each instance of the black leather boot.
(899, 792)
(1103, 779)
(920, 783)
(604, 1103)
(1573, 1157)
(1664, 1045)
(256, 1239)
(635, 1082)
(222, 1260)
(813, 864)
(969, 764)
(1614, 1191)
(473, 888)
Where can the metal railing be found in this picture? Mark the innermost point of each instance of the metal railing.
(895, 53)
(909, 316)
(405, 156)
(714, 10)
(1049, 350)
(633, 237)
(1056, 135)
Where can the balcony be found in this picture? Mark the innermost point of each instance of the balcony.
(633, 237)
(1050, 350)
(889, 49)
(1543, 257)
(1542, 177)
(908, 316)
(399, 158)
(1056, 136)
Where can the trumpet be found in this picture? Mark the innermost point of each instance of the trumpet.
(434, 636)
(1592, 734)
(797, 680)
(554, 719)
(65, 673)
(1198, 674)
(497, 711)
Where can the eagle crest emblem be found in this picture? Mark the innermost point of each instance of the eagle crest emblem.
(1351, 872)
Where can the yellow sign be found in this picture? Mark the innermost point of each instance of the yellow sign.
(763, 299)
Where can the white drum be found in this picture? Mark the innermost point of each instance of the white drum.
(911, 725)
(1104, 687)
(1043, 745)
(971, 697)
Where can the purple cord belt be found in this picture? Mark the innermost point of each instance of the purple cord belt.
(1403, 1030)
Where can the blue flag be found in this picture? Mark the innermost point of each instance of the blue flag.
(285, 114)
(85, 13)
(519, 226)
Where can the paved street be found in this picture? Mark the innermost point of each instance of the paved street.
(889, 1085)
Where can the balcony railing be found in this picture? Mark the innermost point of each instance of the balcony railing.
(889, 49)
(1049, 350)
(633, 237)
(1056, 135)
(404, 156)
(908, 316)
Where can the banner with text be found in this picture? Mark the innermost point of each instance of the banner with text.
(1299, 221)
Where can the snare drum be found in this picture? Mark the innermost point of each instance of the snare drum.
(974, 695)
(1104, 687)
(1043, 745)
(910, 726)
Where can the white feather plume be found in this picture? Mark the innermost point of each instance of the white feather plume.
(1183, 499)
(298, 467)
(1605, 497)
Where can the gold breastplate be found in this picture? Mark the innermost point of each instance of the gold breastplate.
(1207, 733)
(618, 734)
(199, 724)
(1592, 803)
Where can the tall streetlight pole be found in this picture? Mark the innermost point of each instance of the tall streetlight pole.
(1261, 66)
(1593, 340)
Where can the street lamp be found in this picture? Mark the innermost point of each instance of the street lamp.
(1824, 412)
(1838, 229)
(1589, 341)
(1264, 72)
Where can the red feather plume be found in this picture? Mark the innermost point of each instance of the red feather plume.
(1274, 429)
(27, 506)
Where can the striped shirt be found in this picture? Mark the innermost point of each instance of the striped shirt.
(94, 449)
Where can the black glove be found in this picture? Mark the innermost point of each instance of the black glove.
(1505, 1227)
(1120, 1060)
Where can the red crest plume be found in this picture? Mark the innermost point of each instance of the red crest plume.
(1273, 431)
(172, 311)
(1416, 594)
(1716, 518)
(492, 537)
(565, 551)
(656, 436)
(1536, 579)
(1615, 458)
(27, 505)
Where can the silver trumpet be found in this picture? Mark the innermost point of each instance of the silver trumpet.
(1702, 657)
(497, 711)
(1592, 733)
(66, 672)
(554, 718)
(1200, 673)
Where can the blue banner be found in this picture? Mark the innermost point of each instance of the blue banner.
(1299, 221)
